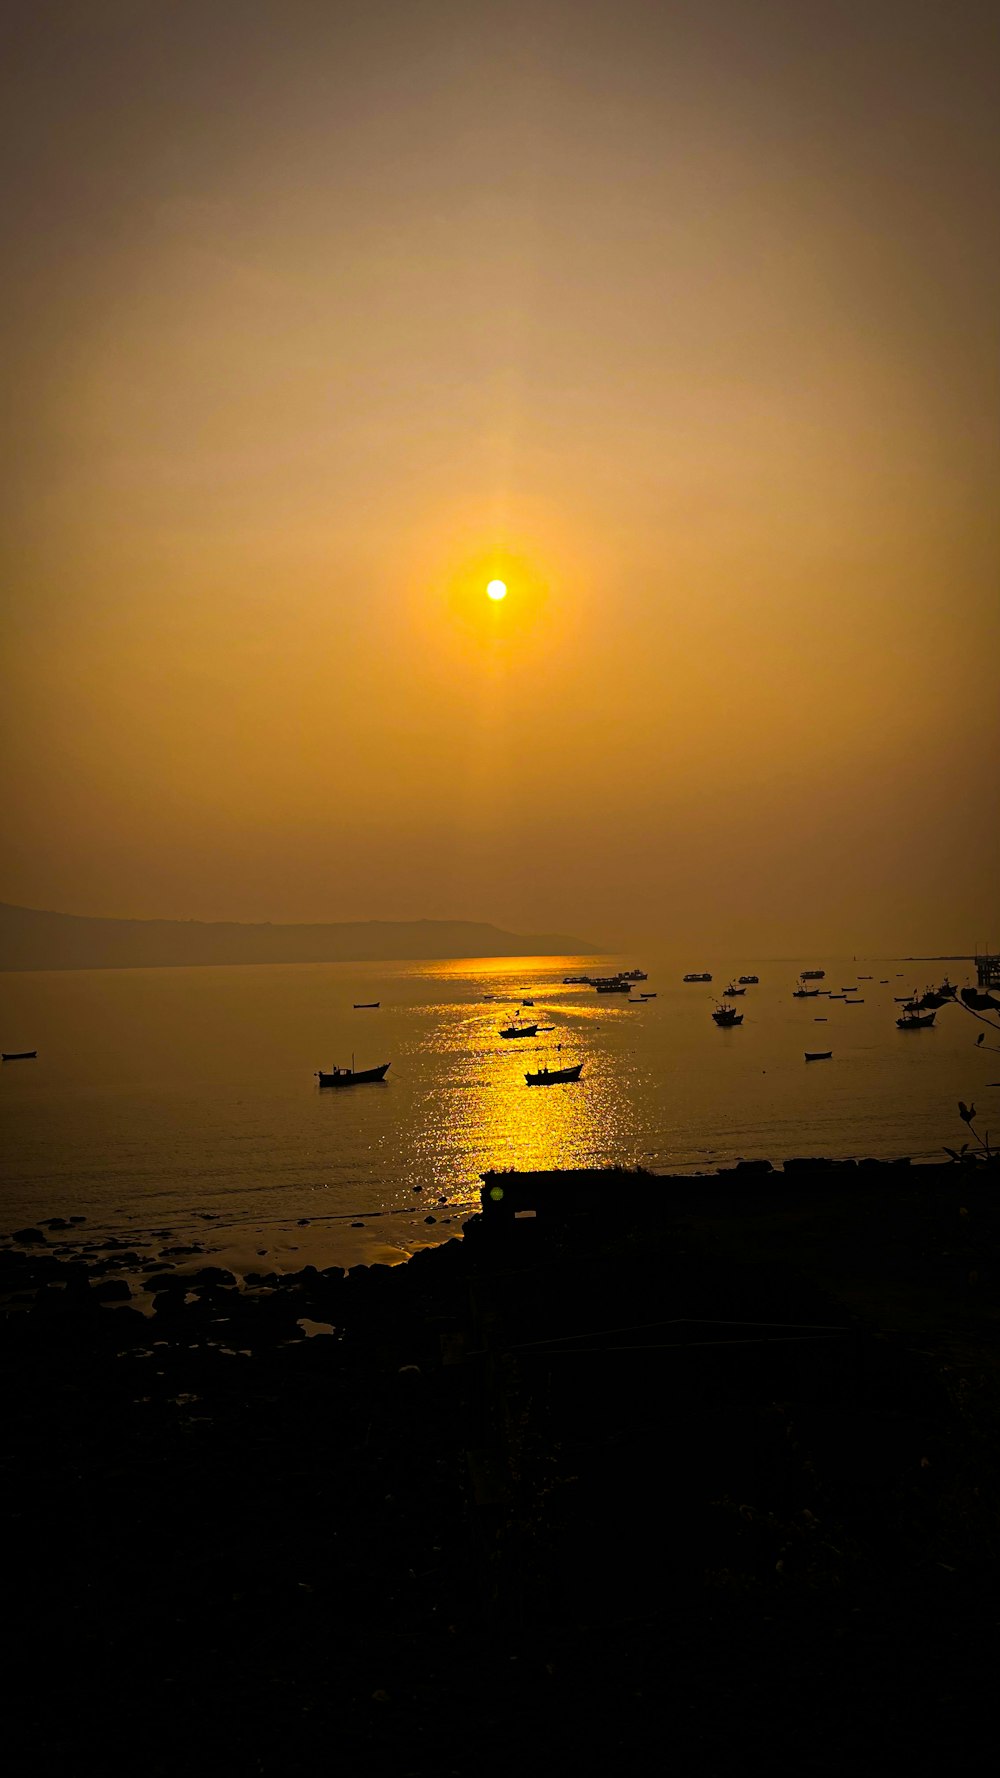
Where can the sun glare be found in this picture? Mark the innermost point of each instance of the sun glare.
(497, 589)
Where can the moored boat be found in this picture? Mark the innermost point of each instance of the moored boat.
(516, 1030)
(551, 1077)
(747, 981)
(915, 1021)
(818, 1055)
(732, 990)
(365, 1005)
(811, 975)
(704, 976)
(808, 994)
(19, 1055)
(727, 1015)
(351, 1077)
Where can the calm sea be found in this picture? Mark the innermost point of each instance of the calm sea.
(184, 1098)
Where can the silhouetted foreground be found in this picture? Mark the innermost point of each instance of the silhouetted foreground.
(716, 1489)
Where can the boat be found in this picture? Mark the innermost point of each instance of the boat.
(516, 1030)
(365, 1005)
(808, 994)
(915, 1021)
(850, 990)
(732, 990)
(618, 986)
(351, 1077)
(704, 977)
(811, 975)
(551, 1077)
(576, 981)
(527, 1003)
(635, 975)
(19, 1055)
(818, 1055)
(859, 1002)
(865, 978)
(727, 1015)
(651, 996)
(948, 989)
(747, 981)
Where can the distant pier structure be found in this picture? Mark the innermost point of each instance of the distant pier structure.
(988, 969)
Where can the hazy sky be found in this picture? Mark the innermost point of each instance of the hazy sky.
(681, 318)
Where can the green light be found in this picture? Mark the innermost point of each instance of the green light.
(496, 1193)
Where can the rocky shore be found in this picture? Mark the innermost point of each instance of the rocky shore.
(706, 1470)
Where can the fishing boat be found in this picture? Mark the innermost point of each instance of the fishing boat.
(811, 975)
(915, 1021)
(818, 1055)
(948, 989)
(618, 985)
(807, 994)
(19, 1055)
(635, 975)
(727, 1015)
(365, 1005)
(703, 977)
(747, 981)
(651, 996)
(516, 1030)
(351, 1077)
(551, 1077)
(732, 990)
(576, 981)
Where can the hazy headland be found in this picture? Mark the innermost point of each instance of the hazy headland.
(32, 938)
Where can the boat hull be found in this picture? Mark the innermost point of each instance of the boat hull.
(521, 1031)
(352, 1077)
(818, 1055)
(554, 1077)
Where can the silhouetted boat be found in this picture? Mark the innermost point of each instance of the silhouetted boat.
(811, 975)
(807, 994)
(351, 1077)
(516, 1030)
(635, 975)
(575, 981)
(858, 1002)
(948, 989)
(732, 989)
(617, 985)
(727, 1015)
(551, 1077)
(818, 1055)
(747, 981)
(703, 977)
(19, 1055)
(365, 1005)
(916, 1021)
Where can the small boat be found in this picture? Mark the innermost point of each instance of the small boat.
(704, 977)
(811, 975)
(365, 1005)
(883, 981)
(747, 981)
(818, 1055)
(727, 1015)
(551, 1077)
(635, 975)
(648, 996)
(732, 989)
(19, 1055)
(915, 1021)
(948, 989)
(853, 1002)
(527, 1003)
(851, 990)
(865, 978)
(351, 1077)
(820, 1021)
(576, 981)
(808, 994)
(516, 1030)
(615, 985)
(837, 996)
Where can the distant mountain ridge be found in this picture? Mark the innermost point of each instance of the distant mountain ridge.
(32, 938)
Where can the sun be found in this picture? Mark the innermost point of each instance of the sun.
(497, 589)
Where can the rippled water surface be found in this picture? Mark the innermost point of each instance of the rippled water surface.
(162, 1094)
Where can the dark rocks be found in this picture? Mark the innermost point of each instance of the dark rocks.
(181, 1251)
(430, 1219)
(110, 1290)
(354, 1225)
(29, 1237)
(56, 1222)
(211, 1275)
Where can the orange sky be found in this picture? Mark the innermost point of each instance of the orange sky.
(683, 320)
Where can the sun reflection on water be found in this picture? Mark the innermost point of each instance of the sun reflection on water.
(480, 1113)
